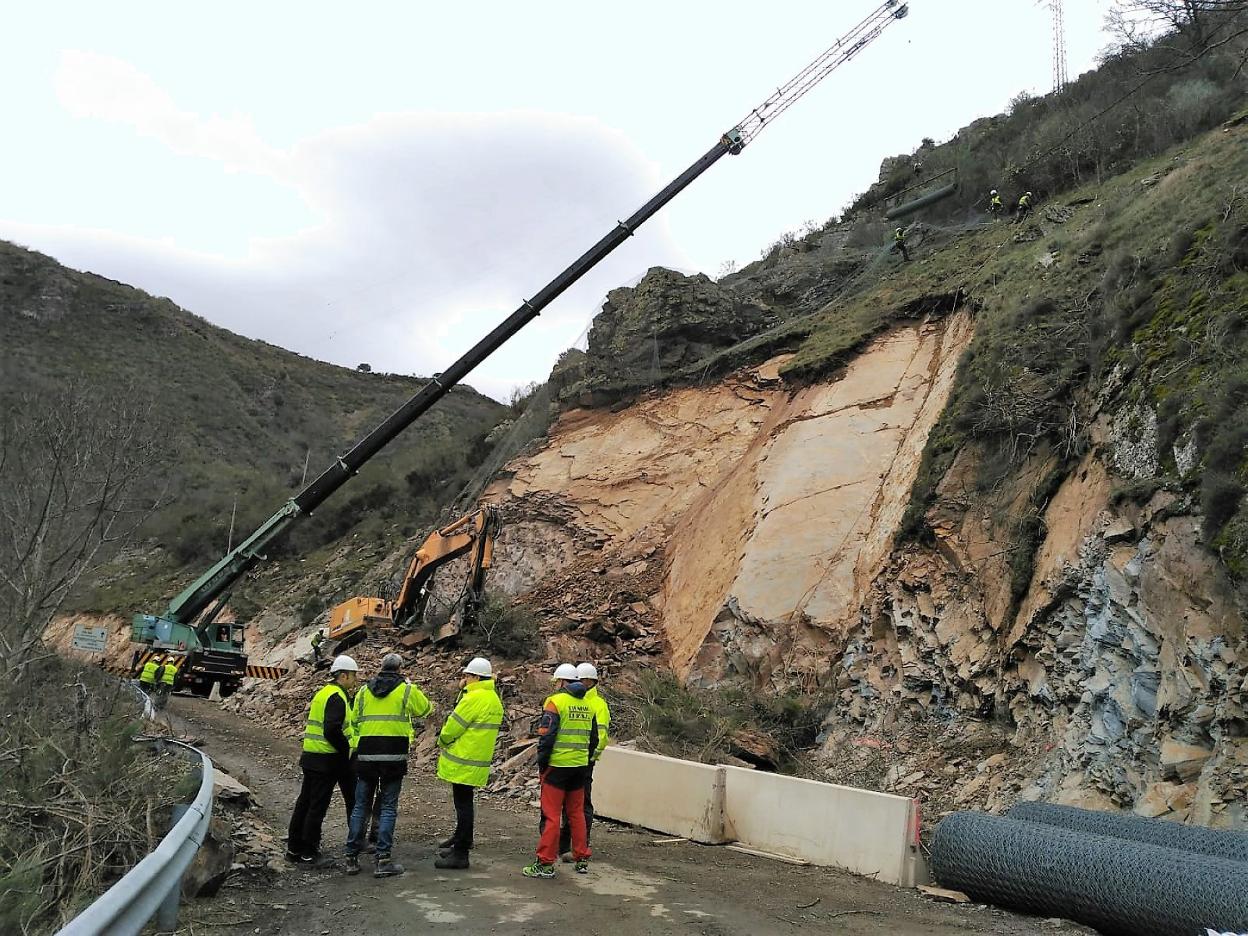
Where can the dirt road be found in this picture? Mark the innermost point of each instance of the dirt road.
(635, 888)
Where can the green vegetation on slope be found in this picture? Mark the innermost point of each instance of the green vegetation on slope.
(239, 419)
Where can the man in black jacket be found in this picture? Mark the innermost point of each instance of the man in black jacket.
(326, 763)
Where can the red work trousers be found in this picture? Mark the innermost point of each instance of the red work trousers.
(554, 802)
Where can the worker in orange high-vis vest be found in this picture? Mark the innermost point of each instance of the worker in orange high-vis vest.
(567, 734)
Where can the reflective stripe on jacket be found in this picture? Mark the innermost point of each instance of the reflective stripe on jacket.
(572, 738)
(383, 726)
(148, 676)
(602, 715)
(466, 742)
(314, 741)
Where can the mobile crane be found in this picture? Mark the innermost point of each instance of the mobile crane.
(180, 626)
(472, 535)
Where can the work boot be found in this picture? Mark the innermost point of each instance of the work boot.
(538, 870)
(448, 842)
(321, 862)
(353, 864)
(582, 866)
(293, 856)
(386, 867)
(454, 859)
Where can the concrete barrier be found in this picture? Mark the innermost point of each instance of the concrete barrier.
(869, 833)
(873, 834)
(662, 793)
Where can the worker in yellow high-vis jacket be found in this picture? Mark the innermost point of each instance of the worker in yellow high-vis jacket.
(326, 762)
(465, 752)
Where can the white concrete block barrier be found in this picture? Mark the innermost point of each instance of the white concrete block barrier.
(663, 793)
(868, 833)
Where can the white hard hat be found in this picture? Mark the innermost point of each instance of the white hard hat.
(479, 666)
(586, 671)
(994, 191)
(565, 671)
(344, 664)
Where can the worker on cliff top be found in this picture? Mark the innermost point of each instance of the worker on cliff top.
(465, 752)
(587, 675)
(995, 205)
(899, 244)
(382, 714)
(326, 763)
(567, 734)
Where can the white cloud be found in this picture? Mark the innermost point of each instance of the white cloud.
(431, 227)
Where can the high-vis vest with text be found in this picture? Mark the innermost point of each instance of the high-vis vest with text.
(576, 721)
(314, 741)
(466, 743)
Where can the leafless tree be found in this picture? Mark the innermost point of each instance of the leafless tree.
(1188, 28)
(75, 473)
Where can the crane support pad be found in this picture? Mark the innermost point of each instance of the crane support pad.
(1118, 886)
(266, 672)
(1217, 843)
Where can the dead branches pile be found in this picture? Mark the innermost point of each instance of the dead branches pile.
(80, 802)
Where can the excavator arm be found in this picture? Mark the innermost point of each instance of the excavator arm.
(475, 534)
(471, 535)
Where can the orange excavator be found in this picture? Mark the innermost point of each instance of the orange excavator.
(472, 535)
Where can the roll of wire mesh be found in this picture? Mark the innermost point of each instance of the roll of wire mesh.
(1121, 887)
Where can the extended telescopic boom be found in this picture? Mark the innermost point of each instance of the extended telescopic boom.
(186, 606)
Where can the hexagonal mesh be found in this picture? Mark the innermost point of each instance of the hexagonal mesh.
(1218, 843)
(1120, 887)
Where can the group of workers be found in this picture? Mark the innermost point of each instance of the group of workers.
(157, 676)
(358, 737)
(996, 208)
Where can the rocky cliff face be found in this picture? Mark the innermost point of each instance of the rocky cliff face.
(748, 529)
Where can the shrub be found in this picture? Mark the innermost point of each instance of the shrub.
(505, 628)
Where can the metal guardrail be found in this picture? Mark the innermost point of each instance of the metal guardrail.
(152, 888)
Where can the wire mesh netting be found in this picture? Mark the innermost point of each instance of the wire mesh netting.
(1219, 843)
(1118, 886)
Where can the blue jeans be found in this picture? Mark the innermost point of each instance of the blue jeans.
(388, 806)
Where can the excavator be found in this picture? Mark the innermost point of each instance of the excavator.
(472, 535)
(214, 652)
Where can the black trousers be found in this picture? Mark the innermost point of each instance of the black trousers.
(304, 835)
(565, 831)
(462, 795)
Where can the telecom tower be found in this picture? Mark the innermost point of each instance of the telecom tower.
(1059, 46)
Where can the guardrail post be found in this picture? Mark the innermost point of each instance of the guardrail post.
(167, 914)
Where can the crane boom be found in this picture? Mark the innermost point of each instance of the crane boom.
(199, 594)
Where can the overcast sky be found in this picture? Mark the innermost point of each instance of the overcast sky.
(384, 181)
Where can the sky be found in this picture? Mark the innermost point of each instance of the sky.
(383, 182)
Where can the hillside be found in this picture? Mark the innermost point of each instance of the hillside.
(235, 418)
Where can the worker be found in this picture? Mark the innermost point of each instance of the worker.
(899, 244)
(325, 761)
(566, 735)
(918, 168)
(995, 205)
(147, 677)
(317, 639)
(465, 752)
(587, 675)
(382, 715)
(169, 672)
(1024, 208)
